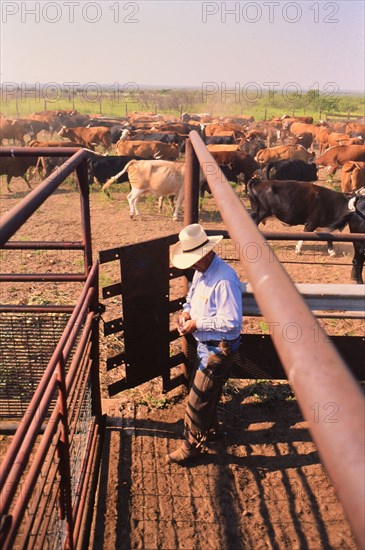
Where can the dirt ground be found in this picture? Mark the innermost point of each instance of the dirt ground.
(265, 487)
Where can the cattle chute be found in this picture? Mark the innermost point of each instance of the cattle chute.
(49, 392)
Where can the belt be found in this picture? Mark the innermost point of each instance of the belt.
(217, 342)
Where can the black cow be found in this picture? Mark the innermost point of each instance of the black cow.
(305, 139)
(252, 146)
(16, 168)
(219, 140)
(164, 137)
(102, 168)
(295, 203)
(356, 222)
(236, 165)
(290, 170)
(116, 132)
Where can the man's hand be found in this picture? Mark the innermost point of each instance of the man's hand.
(183, 317)
(188, 327)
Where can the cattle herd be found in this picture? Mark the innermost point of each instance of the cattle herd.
(276, 160)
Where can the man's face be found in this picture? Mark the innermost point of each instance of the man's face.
(203, 264)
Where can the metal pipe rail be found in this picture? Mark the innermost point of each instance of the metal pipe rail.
(80, 338)
(313, 366)
(17, 457)
(18, 215)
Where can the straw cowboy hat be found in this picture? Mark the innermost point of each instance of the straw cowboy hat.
(193, 245)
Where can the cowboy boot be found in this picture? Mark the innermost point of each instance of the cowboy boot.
(186, 452)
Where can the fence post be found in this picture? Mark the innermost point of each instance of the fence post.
(191, 206)
(191, 215)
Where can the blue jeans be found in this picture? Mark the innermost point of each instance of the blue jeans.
(203, 351)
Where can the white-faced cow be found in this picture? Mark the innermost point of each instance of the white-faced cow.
(356, 221)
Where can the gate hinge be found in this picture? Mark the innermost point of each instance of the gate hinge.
(99, 312)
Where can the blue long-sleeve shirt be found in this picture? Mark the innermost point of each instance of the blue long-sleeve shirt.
(214, 301)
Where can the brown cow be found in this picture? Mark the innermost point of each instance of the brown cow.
(320, 133)
(214, 147)
(352, 176)
(356, 129)
(291, 119)
(213, 129)
(15, 167)
(36, 143)
(88, 136)
(298, 128)
(335, 157)
(337, 138)
(148, 149)
(56, 112)
(13, 129)
(283, 152)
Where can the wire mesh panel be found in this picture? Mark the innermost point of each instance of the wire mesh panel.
(27, 341)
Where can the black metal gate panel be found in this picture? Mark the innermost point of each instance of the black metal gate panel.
(144, 287)
(145, 294)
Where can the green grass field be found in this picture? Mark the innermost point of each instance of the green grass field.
(175, 102)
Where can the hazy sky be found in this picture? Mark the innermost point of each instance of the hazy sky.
(185, 43)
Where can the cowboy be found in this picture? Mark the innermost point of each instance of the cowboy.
(212, 313)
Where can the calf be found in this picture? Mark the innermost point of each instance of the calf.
(296, 202)
(16, 167)
(297, 170)
(356, 221)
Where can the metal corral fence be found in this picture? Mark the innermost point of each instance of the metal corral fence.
(314, 368)
(49, 389)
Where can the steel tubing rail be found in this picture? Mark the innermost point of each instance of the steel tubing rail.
(46, 443)
(305, 236)
(38, 151)
(22, 453)
(31, 479)
(18, 215)
(43, 277)
(313, 366)
(43, 245)
(68, 333)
